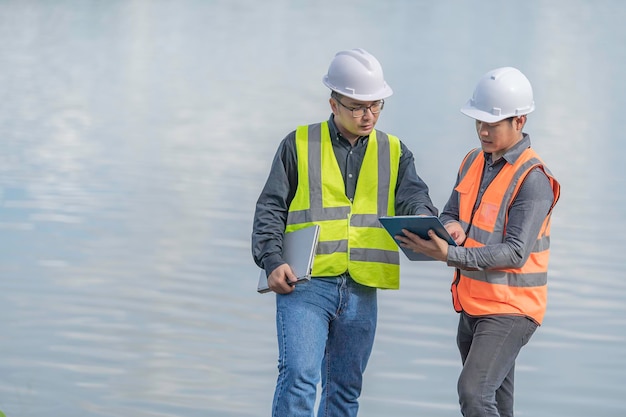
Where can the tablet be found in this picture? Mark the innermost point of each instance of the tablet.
(420, 225)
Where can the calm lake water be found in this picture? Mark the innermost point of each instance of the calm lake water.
(137, 135)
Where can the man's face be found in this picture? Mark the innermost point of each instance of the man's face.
(344, 109)
(497, 138)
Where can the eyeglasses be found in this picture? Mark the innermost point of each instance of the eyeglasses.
(375, 108)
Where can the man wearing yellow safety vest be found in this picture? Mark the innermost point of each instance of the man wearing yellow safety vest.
(499, 211)
(341, 174)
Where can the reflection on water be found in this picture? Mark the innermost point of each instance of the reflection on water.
(137, 136)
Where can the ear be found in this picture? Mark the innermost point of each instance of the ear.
(333, 106)
(520, 122)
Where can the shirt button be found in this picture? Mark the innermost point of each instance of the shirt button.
(349, 175)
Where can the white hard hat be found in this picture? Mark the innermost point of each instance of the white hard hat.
(501, 93)
(357, 74)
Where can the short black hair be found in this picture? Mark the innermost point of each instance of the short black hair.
(335, 95)
(510, 119)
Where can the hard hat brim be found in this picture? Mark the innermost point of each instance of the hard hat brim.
(379, 95)
(483, 116)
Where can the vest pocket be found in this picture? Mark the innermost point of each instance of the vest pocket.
(486, 215)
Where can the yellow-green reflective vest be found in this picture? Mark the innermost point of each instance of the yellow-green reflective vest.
(351, 237)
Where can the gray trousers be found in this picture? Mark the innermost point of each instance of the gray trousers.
(489, 346)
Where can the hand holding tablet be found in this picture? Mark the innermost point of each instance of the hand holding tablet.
(420, 225)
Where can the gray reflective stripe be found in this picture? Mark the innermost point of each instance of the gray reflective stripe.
(315, 166)
(365, 220)
(358, 254)
(508, 195)
(481, 235)
(537, 279)
(327, 247)
(547, 170)
(375, 255)
(384, 171)
(543, 243)
(311, 215)
(486, 238)
(469, 161)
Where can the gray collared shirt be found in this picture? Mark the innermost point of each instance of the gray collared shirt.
(272, 206)
(526, 215)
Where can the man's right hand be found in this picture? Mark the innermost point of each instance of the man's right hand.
(281, 279)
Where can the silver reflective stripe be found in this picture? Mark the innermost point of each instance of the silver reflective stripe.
(469, 161)
(537, 279)
(375, 255)
(508, 195)
(486, 238)
(480, 235)
(365, 220)
(315, 166)
(384, 171)
(327, 247)
(543, 243)
(311, 215)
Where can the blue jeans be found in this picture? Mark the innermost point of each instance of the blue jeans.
(489, 346)
(325, 329)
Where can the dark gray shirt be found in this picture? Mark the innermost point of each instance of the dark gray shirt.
(526, 215)
(270, 217)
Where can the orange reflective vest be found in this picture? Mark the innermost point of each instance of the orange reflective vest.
(518, 291)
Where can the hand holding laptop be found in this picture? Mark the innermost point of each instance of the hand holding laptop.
(299, 249)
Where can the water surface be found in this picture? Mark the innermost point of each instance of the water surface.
(137, 135)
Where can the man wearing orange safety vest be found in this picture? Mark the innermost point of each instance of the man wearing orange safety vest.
(499, 215)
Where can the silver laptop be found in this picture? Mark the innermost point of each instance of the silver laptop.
(298, 251)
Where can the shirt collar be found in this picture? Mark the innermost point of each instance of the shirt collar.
(516, 151)
(336, 134)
